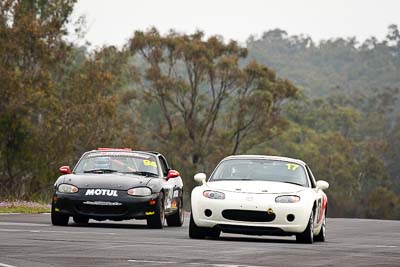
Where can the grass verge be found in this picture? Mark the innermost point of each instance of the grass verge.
(23, 207)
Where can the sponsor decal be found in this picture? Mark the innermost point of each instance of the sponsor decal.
(101, 192)
(173, 205)
(176, 193)
(102, 203)
(149, 212)
(292, 166)
(149, 163)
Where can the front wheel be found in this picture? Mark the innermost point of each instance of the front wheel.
(58, 218)
(307, 237)
(156, 221)
(177, 218)
(197, 232)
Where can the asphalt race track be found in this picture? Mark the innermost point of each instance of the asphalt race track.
(30, 240)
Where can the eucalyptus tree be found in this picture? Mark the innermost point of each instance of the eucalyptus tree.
(211, 105)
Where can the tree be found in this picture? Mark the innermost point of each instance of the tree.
(56, 100)
(209, 103)
(31, 45)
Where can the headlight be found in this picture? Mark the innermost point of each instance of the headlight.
(287, 199)
(139, 191)
(67, 188)
(214, 194)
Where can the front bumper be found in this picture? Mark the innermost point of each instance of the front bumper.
(211, 213)
(101, 208)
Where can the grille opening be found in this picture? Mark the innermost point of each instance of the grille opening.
(208, 212)
(248, 215)
(92, 209)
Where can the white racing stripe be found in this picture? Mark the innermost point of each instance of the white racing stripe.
(6, 265)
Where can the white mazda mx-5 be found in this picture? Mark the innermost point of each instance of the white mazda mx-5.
(259, 195)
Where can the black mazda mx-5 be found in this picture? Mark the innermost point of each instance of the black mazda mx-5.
(119, 184)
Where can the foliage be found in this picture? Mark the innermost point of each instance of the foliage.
(55, 102)
(321, 67)
(209, 104)
(197, 100)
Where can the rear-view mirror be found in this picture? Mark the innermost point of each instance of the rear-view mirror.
(172, 174)
(200, 178)
(321, 184)
(65, 170)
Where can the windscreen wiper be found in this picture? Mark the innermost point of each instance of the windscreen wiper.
(144, 173)
(292, 183)
(234, 179)
(100, 171)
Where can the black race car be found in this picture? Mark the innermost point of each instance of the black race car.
(119, 184)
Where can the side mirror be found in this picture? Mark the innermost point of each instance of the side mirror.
(65, 170)
(200, 178)
(172, 174)
(322, 185)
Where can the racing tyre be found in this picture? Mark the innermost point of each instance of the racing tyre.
(307, 237)
(213, 233)
(156, 221)
(58, 219)
(196, 232)
(321, 237)
(80, 219)
(176, 219)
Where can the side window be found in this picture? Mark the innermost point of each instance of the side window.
(164, 166)
(311, 176)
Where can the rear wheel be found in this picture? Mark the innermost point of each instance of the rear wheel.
(321, 237)
(307, 237)
(156, 221)
(58, 218)
(81, 219)
(177, 218)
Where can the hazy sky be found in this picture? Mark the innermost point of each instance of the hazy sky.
(113, 22)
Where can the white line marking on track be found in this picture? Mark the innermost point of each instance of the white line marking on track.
(23, 224)
(142, 245)
(224, 265)
(203, 264)
(145, 261)
(60, 232)
(6, 265)
(383, 246)
(19, 213)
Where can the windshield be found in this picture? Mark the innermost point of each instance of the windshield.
(261, 170)
(124, 162)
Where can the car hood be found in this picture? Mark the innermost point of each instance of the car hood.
(255, 187)
(115, 181)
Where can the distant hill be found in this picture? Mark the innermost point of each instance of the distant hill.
(319, 67)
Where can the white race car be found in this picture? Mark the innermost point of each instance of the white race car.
(259, 195)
